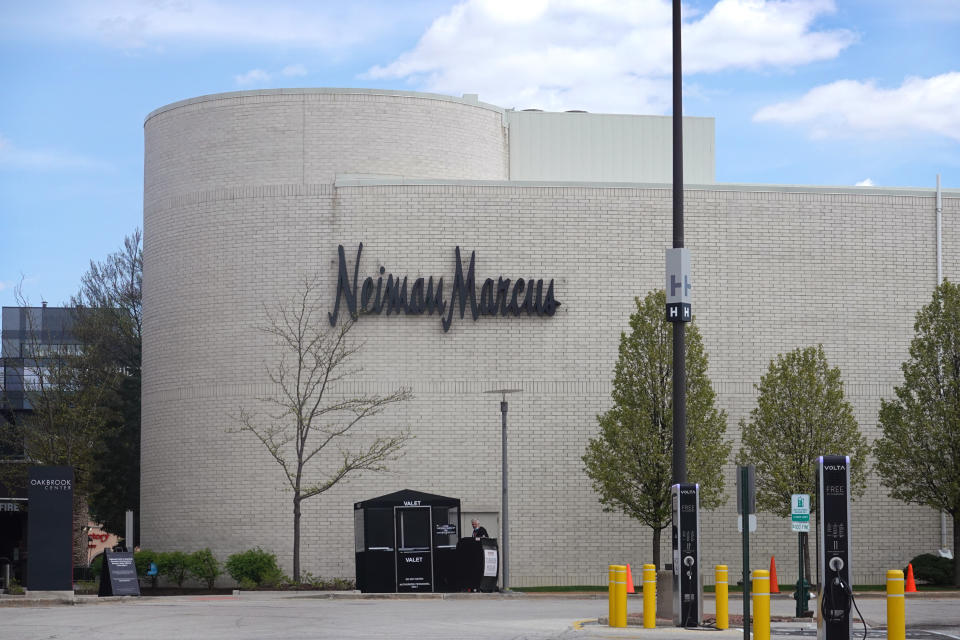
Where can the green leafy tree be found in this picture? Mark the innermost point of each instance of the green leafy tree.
(630, 461)
(801, 414)
(108, 322)
(918, 455)
(310, 427)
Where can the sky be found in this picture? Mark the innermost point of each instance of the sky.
(852, 92)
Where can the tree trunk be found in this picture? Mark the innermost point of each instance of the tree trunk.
(656, 548)
(956, 548)
(296, 537)
(81, 517)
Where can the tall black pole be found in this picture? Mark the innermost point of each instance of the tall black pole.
(503, 497)
(679, 330)
(745, 524)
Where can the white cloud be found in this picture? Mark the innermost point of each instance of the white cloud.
(603, 55)
(865, 183)
(252, 77)
(138, 24)
(848, 107)
(294, 70)
(40, 159)
(753, 34)
(261, 77)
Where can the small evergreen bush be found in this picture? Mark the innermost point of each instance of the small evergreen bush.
(204, 567)
(254, 568)
(173, 565)
(932, 569)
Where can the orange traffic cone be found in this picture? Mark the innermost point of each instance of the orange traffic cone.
(774, 587)
(630, 588)
(911, 586)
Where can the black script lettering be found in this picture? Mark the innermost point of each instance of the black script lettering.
(465, 288)
(365, 292)
(513, 307)
(550, 304)
(488, 305)
(415, 304)
(435, 301)
(425, 296)
(395, 294)
(378, 302)
(537, 299)
(503, 290)
(343, 286)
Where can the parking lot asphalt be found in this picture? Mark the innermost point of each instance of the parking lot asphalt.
(347, 615)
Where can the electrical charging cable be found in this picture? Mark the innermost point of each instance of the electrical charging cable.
(849, 591)
(829, 602)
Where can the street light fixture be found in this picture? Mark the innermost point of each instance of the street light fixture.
(503, 483)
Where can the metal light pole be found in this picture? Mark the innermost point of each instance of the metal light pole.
(681, 281)
(505, 521)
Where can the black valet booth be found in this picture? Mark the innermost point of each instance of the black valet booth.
(409, 542)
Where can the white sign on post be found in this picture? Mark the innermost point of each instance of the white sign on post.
(752, 523)
(800, 512)
(678, 285)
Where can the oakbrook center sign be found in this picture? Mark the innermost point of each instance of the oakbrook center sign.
(502, 296)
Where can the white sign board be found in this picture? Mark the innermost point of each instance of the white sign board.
(800, 512)
(800, 503)
(678, 285)
(489, 563)
(678, 276)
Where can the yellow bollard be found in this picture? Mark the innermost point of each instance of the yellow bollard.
(761, 604)
(649, 596)
(896, 606)
(720, 578)
(620, 595)
(611, 595)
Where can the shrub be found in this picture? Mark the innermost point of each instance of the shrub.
(85, 587)
(932, 569)
(173, 565)
(15, 588)
(307, 579)
(341, 584)
(254, 567)
(142, 560)
(204, 567)
(96, 567)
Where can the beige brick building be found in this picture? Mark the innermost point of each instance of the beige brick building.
(246, 193)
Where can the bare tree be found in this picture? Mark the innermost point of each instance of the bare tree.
(308, 422)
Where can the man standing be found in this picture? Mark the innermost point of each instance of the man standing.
(478, 531)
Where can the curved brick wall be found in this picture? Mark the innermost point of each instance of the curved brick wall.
(308, 136)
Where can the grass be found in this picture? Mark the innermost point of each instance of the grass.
(566, 589)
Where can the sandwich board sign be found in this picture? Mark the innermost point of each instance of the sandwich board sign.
(119, 576)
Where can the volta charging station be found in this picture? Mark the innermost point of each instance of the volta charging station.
(835, 597)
